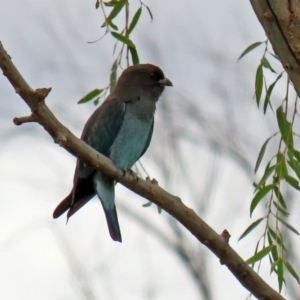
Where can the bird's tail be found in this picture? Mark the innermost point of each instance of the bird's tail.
(113, 224)
(63, 206)
(105, 189)
(66, 204)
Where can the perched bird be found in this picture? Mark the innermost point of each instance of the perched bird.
(121, 129)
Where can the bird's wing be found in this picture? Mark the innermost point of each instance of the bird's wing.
(102, 127)
(99, 132)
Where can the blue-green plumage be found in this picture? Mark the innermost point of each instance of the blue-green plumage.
(121, 129)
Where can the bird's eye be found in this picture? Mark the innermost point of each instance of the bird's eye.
(153, 76)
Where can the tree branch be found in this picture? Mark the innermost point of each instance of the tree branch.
(280, 20)
(22, 120)
(218, 244)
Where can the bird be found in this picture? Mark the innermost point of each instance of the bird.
(121, 129)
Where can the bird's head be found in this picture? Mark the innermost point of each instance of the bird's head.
(143, 80)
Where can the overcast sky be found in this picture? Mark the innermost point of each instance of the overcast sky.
(197, 44)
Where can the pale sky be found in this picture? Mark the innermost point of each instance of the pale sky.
(197, 44)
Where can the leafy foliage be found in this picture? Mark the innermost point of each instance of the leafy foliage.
(92, 95)
(250, 48)
(127, 52)
(282, 169)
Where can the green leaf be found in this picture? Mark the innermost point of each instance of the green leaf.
(292, 181)
(288, 226)
(150, 13)
(269, 92)
(255, 251)
(96, 101)
(291, 270)
(296, 154)
(276, 238)
(274, 55)
(280, 273)
(259, 196)
(290, 153)
(147, 204)
(134, 56)
(279, 197)
(258, 84)
(259, 255)
(118, 5)
(285, 127)
(110, 23)
(269, 240)
(250, 228)
(250, 48)
(97, 4)
(113, 77)
(294, 164)
(261, 154)
(265, 63)
(114, 65)
(123, 39)
(280, 209)
(135, 19)
(274, 252)
(273, 267)
(281, 167)
(111, 3)
(268, 172)
(90, 96)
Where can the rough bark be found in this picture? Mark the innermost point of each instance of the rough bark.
(281, 22)
(217, 243)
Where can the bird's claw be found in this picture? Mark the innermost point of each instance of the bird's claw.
(132, 174)
(153, 180)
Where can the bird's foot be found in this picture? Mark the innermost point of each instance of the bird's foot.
(153, 180)
(132, 174)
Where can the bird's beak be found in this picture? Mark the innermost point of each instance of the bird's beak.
(166, 81)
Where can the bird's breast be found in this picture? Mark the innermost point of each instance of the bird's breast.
(131, 140)
(143, 109)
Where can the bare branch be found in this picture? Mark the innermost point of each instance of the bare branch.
(172, 204)
(22, 120)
